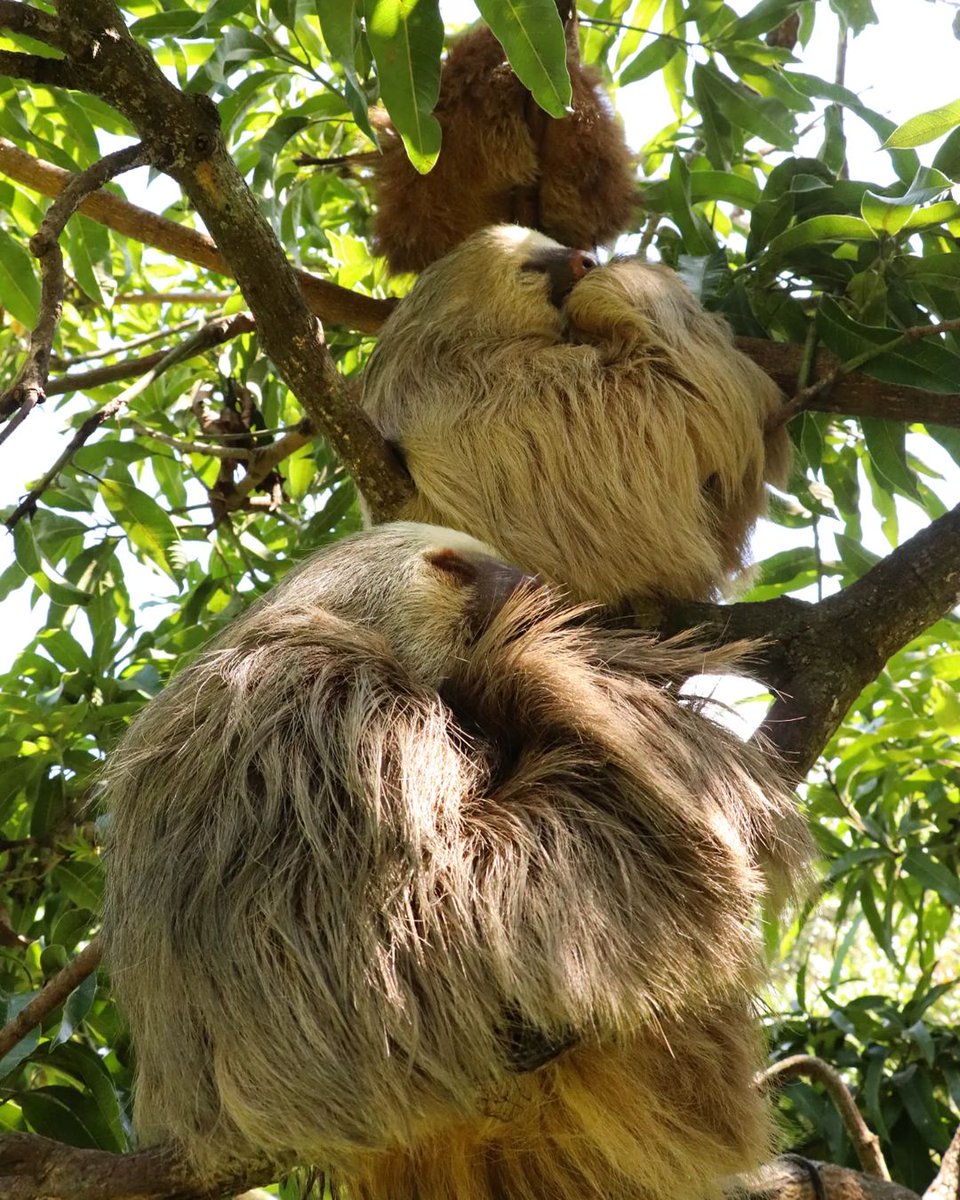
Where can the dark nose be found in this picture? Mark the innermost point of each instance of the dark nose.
(563, 268)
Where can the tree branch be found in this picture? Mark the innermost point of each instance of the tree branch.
(40, 25)
(37, 1168)
(333, 304)
(865, 1142)
(50, 996)
(28, 389)
(85, 431)
(946, 1186)
(50, 72)
(855, 395)
(817, 658)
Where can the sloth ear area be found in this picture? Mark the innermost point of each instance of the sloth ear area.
(490, 582)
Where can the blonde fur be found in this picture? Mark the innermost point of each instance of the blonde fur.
(615, 444)
(384, 819)
(499, 150)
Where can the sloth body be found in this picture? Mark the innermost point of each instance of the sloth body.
(611, 438)
(406, 818)
(500, 157)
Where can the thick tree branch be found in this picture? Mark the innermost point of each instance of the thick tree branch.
(946, 1186)
(865, 1142)
(37, 1168)
(35, 23)
(854, 395)
(50, 72)
(788, 1178)
(817, 658)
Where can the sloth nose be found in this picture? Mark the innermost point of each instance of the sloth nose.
(581, 263)
(563, 268)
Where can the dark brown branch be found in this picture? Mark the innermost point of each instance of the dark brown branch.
(805, 1066)
(50, 72)
(37, 1168)
(50, 996)
(333, 304)
(807, 396)
(29, 388)
(817, 658)
(855, 395)
(42, 26)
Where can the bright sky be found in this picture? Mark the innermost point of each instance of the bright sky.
(908, 63)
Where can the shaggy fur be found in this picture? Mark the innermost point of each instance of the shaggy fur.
(401, 807)
(615, 444)
(498, 150)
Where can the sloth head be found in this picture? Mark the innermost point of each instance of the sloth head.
(424, 591)
(504, 282)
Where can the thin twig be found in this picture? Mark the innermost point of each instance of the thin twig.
(64, 364)
(51, 996)
(186, 350)
(866, 1143)
(214, 333)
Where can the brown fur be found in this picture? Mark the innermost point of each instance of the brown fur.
(615, 444)
(497, 147)
(397, 801)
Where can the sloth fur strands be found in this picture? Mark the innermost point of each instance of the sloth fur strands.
(401, 804)
(614, 443)
(578, 168)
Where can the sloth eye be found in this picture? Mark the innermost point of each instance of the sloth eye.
(563, 268)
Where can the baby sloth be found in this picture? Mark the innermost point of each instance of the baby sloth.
(420, 878)
(595, 424)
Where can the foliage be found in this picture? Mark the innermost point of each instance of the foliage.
(131, 578)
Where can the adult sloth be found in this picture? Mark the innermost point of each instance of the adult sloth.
(596, 425)
(408, 830)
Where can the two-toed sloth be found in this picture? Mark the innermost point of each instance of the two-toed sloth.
(503, 159)
(596, 425)
(408, 818)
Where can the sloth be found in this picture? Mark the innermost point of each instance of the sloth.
(503, 159)
(423, 877)
(593, 423)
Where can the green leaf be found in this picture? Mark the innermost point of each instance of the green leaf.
(768, 14)
(82, 882)
(816, 230)
(88, 1067)
(889, 214)
(650, 59)
(855, 14)
(532, 36)
(947, 158)
(926, 127)
(933, 875)
(143, 520)
(406, 38)
(760, 115)
(19, 285)
(76, 1007)
(340, 26)
(27, 1044)
(887, 448)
